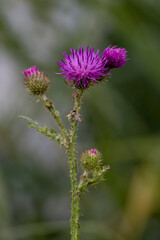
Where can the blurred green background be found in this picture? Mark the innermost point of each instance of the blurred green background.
(120, 118)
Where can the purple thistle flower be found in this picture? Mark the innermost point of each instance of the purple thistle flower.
(33, 71)
(35, 82)
(83, 68)
(116, 57)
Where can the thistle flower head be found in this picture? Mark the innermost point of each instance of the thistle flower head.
(116, 57)
(90, 159)
(35, 82)
(83, 68)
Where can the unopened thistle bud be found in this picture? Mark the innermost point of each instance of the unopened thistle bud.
(90, 160)
(35, 82)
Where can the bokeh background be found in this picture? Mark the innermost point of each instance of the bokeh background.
(120, 118)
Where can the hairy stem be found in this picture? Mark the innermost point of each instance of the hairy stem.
(71, 149)
(49, 105)
(75, 212)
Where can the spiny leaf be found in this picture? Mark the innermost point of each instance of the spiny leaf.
(31, 122)
(34, 124)
(52, 134)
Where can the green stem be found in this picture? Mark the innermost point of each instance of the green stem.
(75, 211)
(71, 149)
(49, 105)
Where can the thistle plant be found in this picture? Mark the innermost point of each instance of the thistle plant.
(82, 69)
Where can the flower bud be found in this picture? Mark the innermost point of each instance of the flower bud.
(115, 57)
(90, 159)
(35, 82)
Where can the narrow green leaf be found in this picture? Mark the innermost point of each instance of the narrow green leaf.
(52, 134)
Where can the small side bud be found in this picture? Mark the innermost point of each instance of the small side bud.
(74, 116)
(90, 159)
(35, 82)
